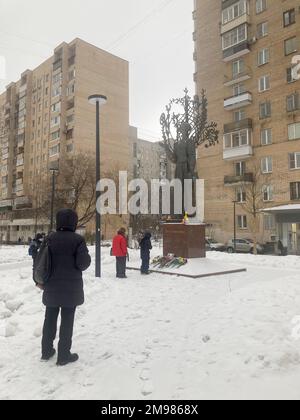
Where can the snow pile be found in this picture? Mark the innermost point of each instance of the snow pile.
(160, 337)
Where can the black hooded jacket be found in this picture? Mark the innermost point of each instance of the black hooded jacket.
(70, 257)
(146, 245)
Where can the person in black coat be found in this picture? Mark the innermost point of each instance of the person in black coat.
(63, 292)
(35, 245)
(146, 246)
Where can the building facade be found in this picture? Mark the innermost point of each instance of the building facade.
(243, 55)
(149, 161)
(45, 117)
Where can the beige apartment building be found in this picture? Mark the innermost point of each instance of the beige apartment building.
(46, 117)
(243, 55)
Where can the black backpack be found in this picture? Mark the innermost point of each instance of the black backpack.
(42, 267)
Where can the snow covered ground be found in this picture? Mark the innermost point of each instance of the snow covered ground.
(159, 337)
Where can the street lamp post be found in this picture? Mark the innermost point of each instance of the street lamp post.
(98, 100)
(234, 223)
(54, 171)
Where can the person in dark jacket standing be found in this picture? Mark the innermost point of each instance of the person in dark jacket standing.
(146, 247)
(35, 245)
(120, 251)
(63, 292)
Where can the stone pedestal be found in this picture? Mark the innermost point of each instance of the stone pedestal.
(187, 241)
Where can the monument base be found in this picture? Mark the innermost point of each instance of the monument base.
(187, 241)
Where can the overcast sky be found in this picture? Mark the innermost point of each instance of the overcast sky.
(154, 36)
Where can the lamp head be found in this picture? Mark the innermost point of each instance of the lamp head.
(101, 99)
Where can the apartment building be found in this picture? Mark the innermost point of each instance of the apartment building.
(243, 55)
(46, 117)
(149, 159)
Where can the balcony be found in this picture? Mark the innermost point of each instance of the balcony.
(239, 179)
(20, 161)
(238, 101)
(239, 78)
(238, 125)
(6, 205)
(71, 60)
(242, 152)
(245, 18)
(57, 64)
(236, 51)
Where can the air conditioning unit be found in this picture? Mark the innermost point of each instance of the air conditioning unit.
(253, 40)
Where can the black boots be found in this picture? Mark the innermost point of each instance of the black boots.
(72, 358)
(47, 357)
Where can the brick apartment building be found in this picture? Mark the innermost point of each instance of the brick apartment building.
(243, 56)
(45, 117)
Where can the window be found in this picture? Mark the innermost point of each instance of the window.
(267, 165)
(289, 17)
(295, 190)
(241, 196)
(290, 45)
(269, 222)
(294, 131)
(70, 148)
(239, 115)
(293, 102)
(71, 89)
(54, 150)
(294, 160)
(55, 135)
(70, 134)
(268, 193)
(55, 121)
(57, 78)
(242, 222)
(234, 11)
(261, 6)
(238, 67)
(263, 56)
(237, 139)
(56, 91)
(240, 168)
(265, 110)
(289, 75)
(239, 89)
(266, 137)
(71, 75)
(56, 107)
(262, 29)
(70, 118)
(264, 83)
(235, 37)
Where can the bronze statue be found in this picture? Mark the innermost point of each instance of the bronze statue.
(183, 132)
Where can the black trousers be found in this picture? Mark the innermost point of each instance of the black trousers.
(121, 266)
(145, 263)
(65, 333)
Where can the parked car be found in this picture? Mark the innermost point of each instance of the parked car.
(212, 245)
(244, 245)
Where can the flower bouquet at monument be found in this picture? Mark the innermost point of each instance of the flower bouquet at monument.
(170, 261)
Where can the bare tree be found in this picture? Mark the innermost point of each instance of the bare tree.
(76, 186)
(75, 189)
